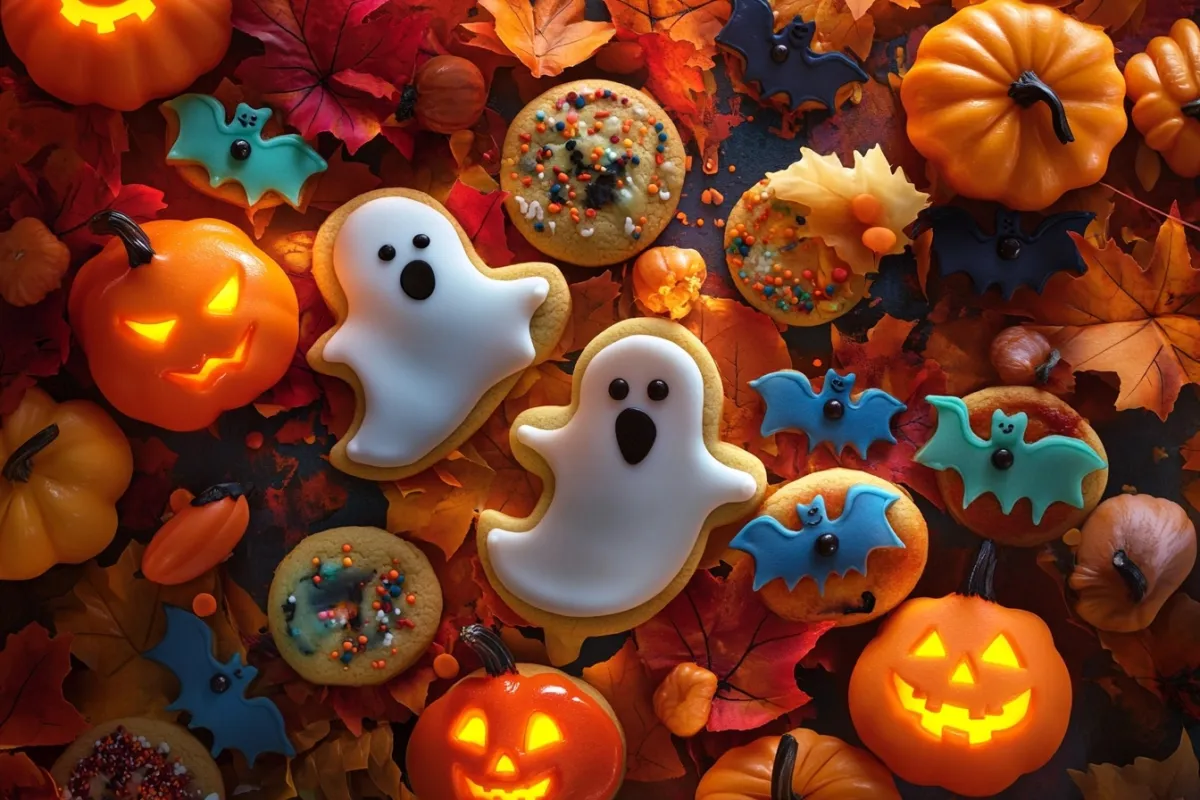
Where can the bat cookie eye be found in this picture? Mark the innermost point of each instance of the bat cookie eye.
(826, 544)
(417, 280)
(1009, 248)
(219, 684)
(834, 409)
(240, 150)
(618, 389)
(1002, 459)
(658, 390)
(779, 53)
(420, 241)
(387, 253)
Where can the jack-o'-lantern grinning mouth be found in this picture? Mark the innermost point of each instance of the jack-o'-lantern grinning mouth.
(977, 730)
(532, 791)
(214, 367)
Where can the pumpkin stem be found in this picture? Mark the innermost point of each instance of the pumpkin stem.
(487, 644)
(1131, 573)
(865, 607)
(1191, 109)
(408, 103)
(983, 573)
(19, 466)
(137, 243)
(1042, 371)
(219, 491)
(782, 769)
(1029, 89)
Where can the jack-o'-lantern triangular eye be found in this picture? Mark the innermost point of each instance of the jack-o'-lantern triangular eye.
(930, 647)
(154, 331)
(542, 731)
(472, 729)
(1000, 652)
(225, 301)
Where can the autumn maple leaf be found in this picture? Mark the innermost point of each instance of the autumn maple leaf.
(32, 669)
(548, 36)
(330, 65)
(1132, 315)
(695, 21)
(482, 217)
(720, 624)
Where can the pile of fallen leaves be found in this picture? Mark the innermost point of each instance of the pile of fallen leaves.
(1128, 330)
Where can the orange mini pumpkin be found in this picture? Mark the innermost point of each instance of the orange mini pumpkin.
(1164, 85)
(32, 262)
(1015, 102)
(118, 53)
(201, 535)
(961, 692)
(516, 732)
(800, 765)
(182, 320)
(65, 467)
(447, 95)
(667, 280)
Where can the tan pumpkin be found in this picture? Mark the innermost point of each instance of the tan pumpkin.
(1134, 552)
(1164, 85)
(1023, 357)
(667, 280)
(447, 95)
(32, 262)
(683, 701)
(800, 765)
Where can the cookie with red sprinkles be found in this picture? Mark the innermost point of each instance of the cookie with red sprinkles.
(593, 171)
(354, 606)
(138, 759)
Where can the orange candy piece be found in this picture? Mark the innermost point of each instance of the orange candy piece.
(445, 666)
(201, 535)
(866, 208)
(204, 605)
(879, 240)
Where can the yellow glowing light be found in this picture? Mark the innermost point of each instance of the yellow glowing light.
(226, 300)
(931, 647)
(504, 766)
(154, 331)
(1001, 653)
(957, 718)
(105, 18)
(962, 674)
(535, 791)
(541, 732)
(212, 365)
(472, 729)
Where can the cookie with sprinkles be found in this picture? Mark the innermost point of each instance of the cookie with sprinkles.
(593, 170)
(795, 280)
(138, 759)
(354, 606)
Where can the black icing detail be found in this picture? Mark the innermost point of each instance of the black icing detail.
(601, 190)
(826, 544)
(420, 241)
(658, 390)
(417, 280)
(1002, 459)
(834, 409)
(636, 433)
(618, 389)
(240, 150)
(387, 253)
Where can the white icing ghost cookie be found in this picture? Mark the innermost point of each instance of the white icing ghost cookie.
(634, 476)
(429, 336)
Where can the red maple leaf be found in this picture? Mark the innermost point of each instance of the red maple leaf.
(33, 712)
(330, 65)
(482, 216)
(34, 343)
(720, 624)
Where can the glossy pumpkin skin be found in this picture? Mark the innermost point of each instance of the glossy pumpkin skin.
(225, 312)
(998, 664)
(1134, 552)
(510, 732)
(1164, 85)
(451, 94)
(135, 61)
(985, 143)
(58, 505)
(667, 280)
(32, 262)
(826, 769)
(201, 535)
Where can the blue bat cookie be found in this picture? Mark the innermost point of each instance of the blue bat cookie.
(823, 546)
(214, 693)
(1050, 470)
(829, 416)
(236, 152)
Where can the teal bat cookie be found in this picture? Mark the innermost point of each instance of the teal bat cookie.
(1050, 470)
(236, 152)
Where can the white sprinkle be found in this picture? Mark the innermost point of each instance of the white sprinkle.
(522, 203)
(381, 615)
(586, 232)
(533, 209)
(387, 639)
(764, 196)
(180, 769)
(639, 112)
(553, 225)
(164, 748)
(629, 226)
(613, 123)
(292, 598)
(664, 195)
(214, 796)
(667, 166)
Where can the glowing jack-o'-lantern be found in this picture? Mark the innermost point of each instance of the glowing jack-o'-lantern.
(516, 732)
(123, 53)
(962, 692)
(182, 320)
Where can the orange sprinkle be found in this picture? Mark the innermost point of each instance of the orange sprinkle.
(541, 127)
(204, 605)
(526, 181)
(376, 605)
(411, 599)
(720, 223)
(641, 220)
(334, 654)
(395, 650)
(316, 562)
(817, 362)
(554, 208)
(524, 148)
(591, 213)
(445, 666)
(706, 196)
(700, 222)
(513, 176)
(652, 188)
(347, 646)
(717, 198)
(254, 440)
(346, 548)
(732, 168)
(316, 578)
(362, 639)
(347, 562)
(602, 114)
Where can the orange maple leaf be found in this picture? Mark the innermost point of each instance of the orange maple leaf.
(547, 36)
(32, 709)
(1139, 322)
(695, 21)
(21, 779)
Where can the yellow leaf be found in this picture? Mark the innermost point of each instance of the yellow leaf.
(1176, 778)
(826, 188)
(547, 36)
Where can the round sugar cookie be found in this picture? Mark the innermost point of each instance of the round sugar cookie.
(593, 171)
(794, 280)
(173, 763)
(856, 554)
(354, 606)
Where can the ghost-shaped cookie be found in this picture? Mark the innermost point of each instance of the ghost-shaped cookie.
(430, 337)
(635, 477)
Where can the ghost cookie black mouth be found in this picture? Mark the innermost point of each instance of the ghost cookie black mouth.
(635, 429)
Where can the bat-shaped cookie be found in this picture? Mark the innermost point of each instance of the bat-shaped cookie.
(214, 693)
(830, 415)
(1048, 471)
(784, 62)
(237, 152)
(1008, 258)
(823, 546)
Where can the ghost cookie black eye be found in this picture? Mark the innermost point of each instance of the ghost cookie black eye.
(387, 252)
(618, 389)
(657, 390)
(420, 241)
(417, 280)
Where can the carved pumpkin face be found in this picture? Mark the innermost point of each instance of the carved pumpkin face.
(961, 692)
(206, 323)
(532, 733)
